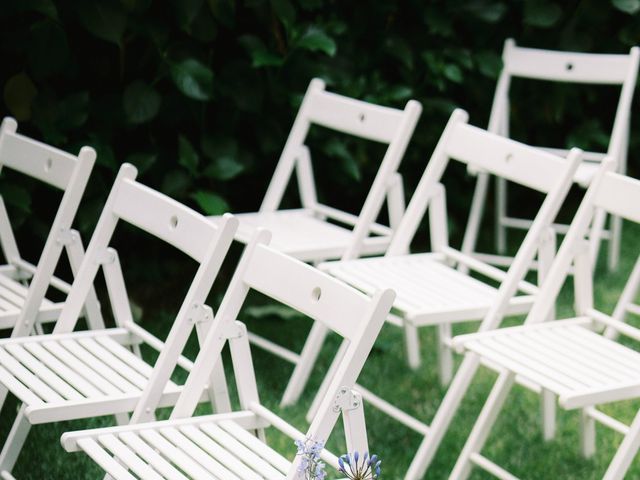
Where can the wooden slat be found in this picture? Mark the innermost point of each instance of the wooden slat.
(236, 448)
(99, 367)
(219, 452)
(194, 451)
(114, 362)
(128, 458)
(36, 385)
(104, 460)
(143, 450)
(61, 369)
(175, 455)
(80, 368)
(43, 372)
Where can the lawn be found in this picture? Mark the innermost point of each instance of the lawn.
(516, 442)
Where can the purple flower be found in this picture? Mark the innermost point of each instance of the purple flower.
(357, 467)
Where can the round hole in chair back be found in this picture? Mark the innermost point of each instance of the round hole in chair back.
(48, 164)
(173, 221)
(569, 66)
(316, 293)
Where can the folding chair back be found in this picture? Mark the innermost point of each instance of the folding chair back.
(346, 311)
(504, 158)
(62, 171)
(565, 67)
(614, 194)
(177, 225)
(361, 119)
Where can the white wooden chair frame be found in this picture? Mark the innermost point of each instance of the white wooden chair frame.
(319, 232)
(557, 66)
(607, 371)
(232, 445)
(71, 375)
(478, 149)
(312, 234)
(23, 286)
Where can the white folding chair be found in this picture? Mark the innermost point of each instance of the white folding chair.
(431, 288)
(70, 375)
(570, 357)
(566, 67)
(316, 231)
(232, 445)
(23, 286)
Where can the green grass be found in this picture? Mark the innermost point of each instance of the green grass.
(515, 443)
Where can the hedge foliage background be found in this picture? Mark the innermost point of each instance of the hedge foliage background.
(200, 94)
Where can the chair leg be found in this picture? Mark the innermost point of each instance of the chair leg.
(307, 360)
(587, 434)
(443, 417)
(326, 381)
(615, 232)
(548, 414)
(475, 217)
(595, 235)
(412, 345)
(445, 355)
(15, 441)
(483, 425)
(122, 418)
(626, 452)
(501, 213)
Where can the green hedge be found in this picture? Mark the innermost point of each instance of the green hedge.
(200, 94)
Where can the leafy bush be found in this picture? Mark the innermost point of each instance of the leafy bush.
(200, 94)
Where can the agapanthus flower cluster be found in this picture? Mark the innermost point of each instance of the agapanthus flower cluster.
(360, 467)
(311, 467)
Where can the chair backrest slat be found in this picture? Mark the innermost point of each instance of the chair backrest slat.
(571, 67)
(505, 158)
(36, 159)
(298, 285)
(362, 119)
(619, 195)
(164, 218)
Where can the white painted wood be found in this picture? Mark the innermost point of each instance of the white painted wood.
(231, 445)
(314, 238)
(68, 375)
(569, 358)
(65, 172)
(568, 67)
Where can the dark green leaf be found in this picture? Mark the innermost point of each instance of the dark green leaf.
(19, 93)
(103, 18)
(541, 14)
(627, 6)
(489, 63)
(284, 11)
(337, 149)
(453, 72)
(193, 78)
(315, 40)
(73, 111)
(400, 93)
(141, 102)
(210, 203)
(175, 183)
(17, 196)
(48, 49)
(487, 11)
(224, 168)
(142, 161)
(46, 7)
(260, 55)
(187, 155)
(186, 11)
(224, 11)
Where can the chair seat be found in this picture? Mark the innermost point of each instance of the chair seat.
(45, 372)
(579, 365)
(428, 291)
(300, 234)
(12, 298)
(204, 450)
